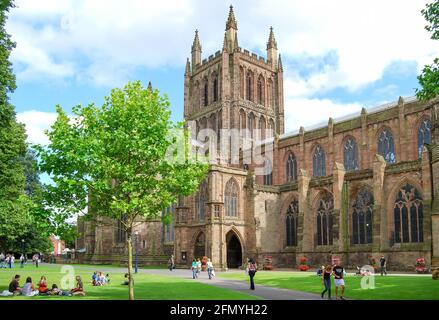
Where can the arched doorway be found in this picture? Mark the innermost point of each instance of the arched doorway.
(234, 251)
(200, 246)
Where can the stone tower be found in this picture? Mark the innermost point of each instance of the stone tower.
(231, 89)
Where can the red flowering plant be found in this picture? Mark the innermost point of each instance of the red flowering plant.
(303, 264)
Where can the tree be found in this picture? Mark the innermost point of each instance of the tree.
(13, 202)
(429, 78)
(115, 160)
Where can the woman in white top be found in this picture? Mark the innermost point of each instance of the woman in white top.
(29, 288)
(210, 268)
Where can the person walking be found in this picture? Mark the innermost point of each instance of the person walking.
(326, 280)
(2, 260)
(198, 267)
(171, 264)
(210, 271)
(22, 261)
(252, 268)
(338, 273)
(11, 261)
(383, 264)
(194, 269)
(37, 259)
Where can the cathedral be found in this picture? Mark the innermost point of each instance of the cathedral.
(351, 190)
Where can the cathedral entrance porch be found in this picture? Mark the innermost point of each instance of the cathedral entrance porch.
(234, 251)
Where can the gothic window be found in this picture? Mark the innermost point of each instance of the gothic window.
(168, 229)
(249, 86)
(386, 147)
(362, 217)
(206, 94)
(270, 93)
(251, 123)
(262, 127)
(408, 215)
(215, 89)
(424, 135)
(319, 162)
(325, 213)
(291, 223)
(261, 89)
(231, 199)
(120, 232)
(242, 82)
(268, 173)
(201, 199)
(350, 155)
(271, 129)
(219, 127)
(291, 167)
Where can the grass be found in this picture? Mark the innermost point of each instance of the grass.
(147, 287)
(386, 288)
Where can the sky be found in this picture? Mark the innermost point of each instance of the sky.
(338, 56)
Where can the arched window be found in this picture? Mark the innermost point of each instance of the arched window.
(120, 232)
(408, 215)
(251, 123)
(261, 90)
(350, 154)
(424, 135)
(271, 129)
(325, 211)
(201, 201)
(386, 146)
(362, 217)
(270, 93)
(168, 228)
(249, 86)
(242, 82)
(206, 93)
(291, 223)
(215, 89)
(262, 127)
(291, 167)
(231, 198)
(268, 172)
(319, 162)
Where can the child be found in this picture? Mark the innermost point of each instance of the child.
(94, 278)
(42, 286)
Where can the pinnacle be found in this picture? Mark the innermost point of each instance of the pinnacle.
(271, 40)
(231, 21)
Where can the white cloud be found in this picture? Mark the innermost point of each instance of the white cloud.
(36, 122)
(101, 38)
(310, 113)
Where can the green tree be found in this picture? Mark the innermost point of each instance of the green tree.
(13, 202)
(429, 78)
(119, 161)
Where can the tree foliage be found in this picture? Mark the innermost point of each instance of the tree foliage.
(429, 78)
(115, 161)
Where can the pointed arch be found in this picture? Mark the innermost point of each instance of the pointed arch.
(270, 93)
(215, 86)
(251, 124)
(201, 200)
(231, 196)
(268, 172)
(242, 82)
(362, 216)
(206, 92)
(261, 90)
(291, 167)
(350, 154)
(319, 161)
(249, 85)
(386, 145)
(291, 223)
(324, 219)
(424, 134)
(262, 127)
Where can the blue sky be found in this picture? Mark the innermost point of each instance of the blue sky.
(338, 56)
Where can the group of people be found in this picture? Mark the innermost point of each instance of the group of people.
(8, 260)
(338, 273)
(99, 279)
(29, 289)
(196, 268)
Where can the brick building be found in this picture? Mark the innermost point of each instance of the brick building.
(360, 186)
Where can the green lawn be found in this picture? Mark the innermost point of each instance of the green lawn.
(386, 288)
(147, 287)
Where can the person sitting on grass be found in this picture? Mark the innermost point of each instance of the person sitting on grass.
(14, 285)
(127, 281)
(58, 292)
(29, 288)
(42, 286)
(107, 278)
(94, 278)
(79, 289)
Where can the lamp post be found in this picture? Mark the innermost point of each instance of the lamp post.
(136, 239)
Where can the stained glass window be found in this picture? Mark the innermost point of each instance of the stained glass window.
(362, 217)
(291, 168)
(386, 146)
(350, 155)
(408, 215)
(424, 135)
(291, 223)
(319, 162)
(231, 198)
(325, 213)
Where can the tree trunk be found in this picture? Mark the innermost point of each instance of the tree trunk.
(130, 267)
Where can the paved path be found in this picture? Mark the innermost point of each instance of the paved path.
(262, 292)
